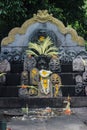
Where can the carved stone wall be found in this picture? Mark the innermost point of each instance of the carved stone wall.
(70, 47)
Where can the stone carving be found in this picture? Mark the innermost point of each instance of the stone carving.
(27, 91)
(78, 79)
(42, 16)
(56, 83)
(29, 63)
(79, 85)
(86, 90)
(78, 88)
(85, 76)
(44, 32)
(65, 58)
(24, 78)
(85, 82)
(4, 66)
(72, 54)
(78, 64)
(23, 92)
(33, 91)
(34, 76)
(54, 65)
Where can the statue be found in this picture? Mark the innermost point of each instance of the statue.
(45, 86)
(56, 83)
(34, 76)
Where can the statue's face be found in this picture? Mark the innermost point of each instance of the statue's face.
(42, 63)
(55, 79)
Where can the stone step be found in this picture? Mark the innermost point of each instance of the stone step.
(16, 102)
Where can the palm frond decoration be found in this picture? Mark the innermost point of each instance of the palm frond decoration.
(46, 44)
(2, 74)
(31, 52)
(52, 53)
(46, 48)
(51, 49)
(35, 47)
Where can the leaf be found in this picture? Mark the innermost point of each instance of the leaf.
(30, 52)
(52, 53)
(2, 74)
(51, 49)
(46, 44)
(35, 46)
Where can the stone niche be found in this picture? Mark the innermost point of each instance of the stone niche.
(26, 70)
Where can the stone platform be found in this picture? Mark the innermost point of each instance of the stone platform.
(76, 121)
(16, 102)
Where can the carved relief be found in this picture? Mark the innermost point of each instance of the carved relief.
(24, 78)
(23, 92)
(86, 90)
(34, 76)
(29, 63)
(78, 79)
(56, 83)
(78, 64)
(4, 66)
(42, 16)
(54, 65)
(85, 76)
(79, 85)
(78, 88)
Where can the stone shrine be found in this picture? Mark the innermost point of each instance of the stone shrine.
(44, 59)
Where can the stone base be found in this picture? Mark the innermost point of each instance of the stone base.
(16, 102)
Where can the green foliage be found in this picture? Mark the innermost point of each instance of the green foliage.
(12, 12)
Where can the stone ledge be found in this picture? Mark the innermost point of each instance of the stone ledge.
(16, 102)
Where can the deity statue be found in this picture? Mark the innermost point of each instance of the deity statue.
(45, 86)
(56, 83)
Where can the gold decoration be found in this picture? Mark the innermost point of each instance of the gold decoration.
(45, 81)
(56, 90)
(42, 38)
(34, 76)
(42, 16)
